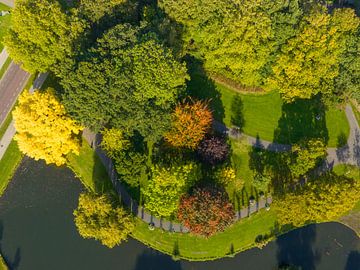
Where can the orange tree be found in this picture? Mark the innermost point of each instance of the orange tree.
(206, 211)
(190, 122)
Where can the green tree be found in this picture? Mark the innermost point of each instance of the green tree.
(114, 141)
(309, 62)
(305, 155)
(96, 217)
(128, 80)
(42, 34)
(321, 200)
(166, 186)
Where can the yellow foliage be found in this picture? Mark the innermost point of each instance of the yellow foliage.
(44, 131)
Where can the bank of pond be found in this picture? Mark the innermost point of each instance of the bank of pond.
(37, 231)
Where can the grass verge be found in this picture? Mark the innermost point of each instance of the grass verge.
(5, 67)
(237, 238)
(4, 24)
(88, 168)
(8, 164)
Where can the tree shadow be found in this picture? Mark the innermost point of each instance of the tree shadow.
(200, 86)
(356, 148)
(299, 250)
(353, 261)
(14, 263)
(154, 260)
(303, 119)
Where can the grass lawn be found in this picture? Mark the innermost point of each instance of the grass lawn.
(88, 167)
(8, 164)
(4, 24)
(266, 116)
(238, 237)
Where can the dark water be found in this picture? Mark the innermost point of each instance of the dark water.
(37, 232)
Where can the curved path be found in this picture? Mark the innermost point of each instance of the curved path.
(348, 154)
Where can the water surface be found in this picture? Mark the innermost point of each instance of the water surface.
(37, 232)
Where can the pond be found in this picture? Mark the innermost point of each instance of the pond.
(37, 232)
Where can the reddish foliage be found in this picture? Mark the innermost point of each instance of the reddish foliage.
(206, 212)
(214, 150)
(191, 121)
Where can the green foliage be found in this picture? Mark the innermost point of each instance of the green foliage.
(305, 155)
(322, 200)
(127, 80)
(42, 34)
(113, 141)
(309, 62)
(237, 107)
(166, 186)
(97, 218)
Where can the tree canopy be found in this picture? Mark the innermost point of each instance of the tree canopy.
(128, 80)
(44, 130)
(42, 34)
(96, 217)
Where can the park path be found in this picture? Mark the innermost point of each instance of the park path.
(348, 154)
(139, 211)
(9, 3)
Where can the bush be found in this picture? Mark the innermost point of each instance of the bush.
(213, 150)
(206, 211)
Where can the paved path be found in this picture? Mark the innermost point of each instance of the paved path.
(11, 85)
(139, 211)
(348, 154)
(3, 56)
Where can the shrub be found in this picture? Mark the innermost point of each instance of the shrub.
(214, 150)
(206, 211)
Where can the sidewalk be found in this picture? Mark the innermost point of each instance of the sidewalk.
(3, 56)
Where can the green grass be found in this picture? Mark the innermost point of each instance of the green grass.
(240, 236)
(8, 164)
(88, 167)
(5, 67)
(4, 24)
(266, 116)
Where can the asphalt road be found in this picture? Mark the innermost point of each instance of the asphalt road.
(11, 86)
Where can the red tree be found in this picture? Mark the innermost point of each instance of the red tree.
(190, 122)
(206, 212)
(213, 150)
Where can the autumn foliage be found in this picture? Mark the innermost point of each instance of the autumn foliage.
(190, 122)
(44, 130)
(206, 212)
(213, 150)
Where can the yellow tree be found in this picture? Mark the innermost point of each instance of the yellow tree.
(44, 131)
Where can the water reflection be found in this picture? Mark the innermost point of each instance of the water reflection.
(37, 232)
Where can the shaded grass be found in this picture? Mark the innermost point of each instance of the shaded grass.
(263, 112)
(8, 164)
(239, 237)
(88, 168)
(5, 67)
(4, 24)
